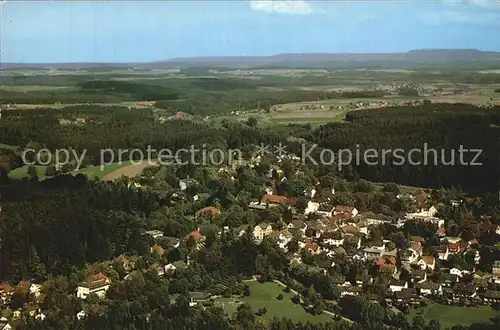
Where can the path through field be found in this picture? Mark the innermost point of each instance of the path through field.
(128, 171)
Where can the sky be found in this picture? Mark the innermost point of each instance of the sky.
(143, 31)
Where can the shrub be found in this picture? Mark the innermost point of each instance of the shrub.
(279, 297)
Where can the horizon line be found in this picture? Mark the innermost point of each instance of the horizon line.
(184, 58)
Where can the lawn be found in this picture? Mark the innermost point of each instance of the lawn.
(264, 295)
(449, 316)
(91, 171)
(95, 171)
(7, 146)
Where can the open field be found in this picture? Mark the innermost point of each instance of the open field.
(91, 171)
(455, 315)
(7, 146)
(334, 110)
(129, 171)
(264, 295)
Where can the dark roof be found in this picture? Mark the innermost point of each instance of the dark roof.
(397, 282)
(325, 207)
(429, 285)
(492, 294)
(199, 295)
(464, 288)
(405, 294)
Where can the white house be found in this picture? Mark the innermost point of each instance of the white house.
(350, 210)
(97, 284)
(457, 272)
(429, 288)
(155, 233)
(325, 210)
(374, 252)
(397, 285)
(427, 263)
(80, 315)
(312, 207)
(4, 325)
(261, 230)
(333, 238)
(36, 290)
(443, 252)
(40, 316)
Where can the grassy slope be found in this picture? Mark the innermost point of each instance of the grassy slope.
(264, 295)
(449, 316)
(91, 171)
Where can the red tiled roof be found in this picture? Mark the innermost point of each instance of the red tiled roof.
(312, 246)
(291, 201)
(196, 235)
(96, 280)
(272, 199)
(344, 209)
(210, 209)
(386, 263)
(429, 260)
(454, 247)
(275, 234)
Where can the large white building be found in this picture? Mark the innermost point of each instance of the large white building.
(97, 284)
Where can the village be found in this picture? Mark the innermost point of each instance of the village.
(416, 271)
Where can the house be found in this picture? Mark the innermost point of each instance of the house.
(463, 291)
(491, 297)
(430, 288)
(272, 199)
(335, 238)
(450, 239)
(495, 270)
(441, 232)
(313, 248)
(408, 256)
(35, 290)
(353, 241)
(174, 266)
(350, 230)
(453, 248)
(158, 249)
(209, 210)
(40, 316)
(155, 233)
(350, 291)
(325, 210)
(184, 184)
(449, 280)
(374, 252)
(160, 270)
(427, 263)
(386, 264)
(6, 289)
(407, 296)
(397, 285)
(4, 325)
(298, 225)
(94, 284)
(349, 210)
(312, 207)
(261, 230)
(418, 275)
(80, 315)
(442, 251)
(198, 297)
(198, 238)
(417, 248)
